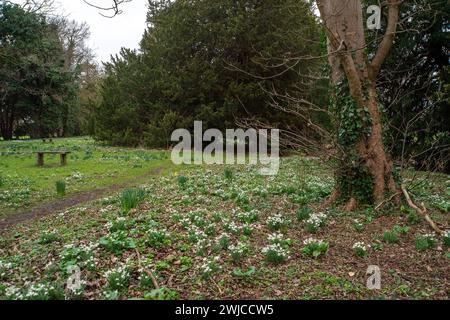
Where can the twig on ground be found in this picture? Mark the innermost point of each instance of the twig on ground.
(148, 272)
(422, 211)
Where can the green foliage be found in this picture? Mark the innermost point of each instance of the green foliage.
(446, 239)
(197, 61)
(423, 89)
(117, 242)
(353, 125)
(390, 236)
(315, 248)
(118, 279)
(304, 213)
(182, 182)
(131, 198)
(61, 188)
(425, 242)
(48, 238)
(43, 90)
(400, 230)
(238, 273)
(162, 294)
(228, 174)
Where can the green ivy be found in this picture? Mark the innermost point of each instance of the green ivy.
(353, 124)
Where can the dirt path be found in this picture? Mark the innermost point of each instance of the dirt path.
(71, 201)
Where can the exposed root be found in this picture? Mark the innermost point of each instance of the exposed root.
(422, 211)
(148, 272)
(351, 205)
(331, 200)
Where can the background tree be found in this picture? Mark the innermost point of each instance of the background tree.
(34, 84)
(197, 61)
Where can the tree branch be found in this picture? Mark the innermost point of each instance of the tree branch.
(388, 39)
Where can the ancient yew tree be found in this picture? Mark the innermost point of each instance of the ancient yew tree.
(365, 172)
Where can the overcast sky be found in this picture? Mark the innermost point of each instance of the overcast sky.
(108, 35)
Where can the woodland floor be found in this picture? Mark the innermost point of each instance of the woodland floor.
(188, 228)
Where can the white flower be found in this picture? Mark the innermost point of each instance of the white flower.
(361, 246)
(310, 241)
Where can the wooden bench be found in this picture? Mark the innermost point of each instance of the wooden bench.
(62, 154)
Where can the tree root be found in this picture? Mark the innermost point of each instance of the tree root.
(351, 205)
(148, 272)
(422, 211)
(331, 200)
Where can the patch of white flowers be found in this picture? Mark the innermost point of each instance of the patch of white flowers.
(312, 241)
(209, 266)
(118, 277)
(361, 246)
(278, 238)
(316, 221)
(238, 250)
(360, 249)
(276, 222)
(276, 249)
(234, 228)
(430, 236)
(4, 267)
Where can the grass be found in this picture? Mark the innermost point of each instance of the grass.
(24, 185)
(61, 188)
(206, 236)
(131, 198)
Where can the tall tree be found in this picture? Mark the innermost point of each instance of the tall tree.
(34, 85)
(366, 172)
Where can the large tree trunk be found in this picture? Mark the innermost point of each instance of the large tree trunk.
(365, 163)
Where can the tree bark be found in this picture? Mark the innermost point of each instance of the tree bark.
(344, 25)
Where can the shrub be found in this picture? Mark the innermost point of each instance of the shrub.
(361, 249)
(315, 248)
(61, 188)
(425, 242)
(304, 213)
(131, 198)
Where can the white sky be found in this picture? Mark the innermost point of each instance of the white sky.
(108, 35)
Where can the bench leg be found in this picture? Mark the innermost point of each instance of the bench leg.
(40, 159)
(63, 160)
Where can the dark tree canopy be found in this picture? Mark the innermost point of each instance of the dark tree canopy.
(214, 61)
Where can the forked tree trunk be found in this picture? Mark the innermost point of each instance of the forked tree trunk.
(344, 23)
